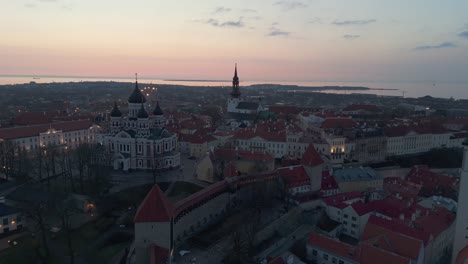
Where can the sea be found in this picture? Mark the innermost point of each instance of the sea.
(456, 90)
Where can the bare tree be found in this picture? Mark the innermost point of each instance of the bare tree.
(81, 162)
(7, 158)
(36, 212)
(65, 212)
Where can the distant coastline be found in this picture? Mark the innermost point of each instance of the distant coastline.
(457, 90)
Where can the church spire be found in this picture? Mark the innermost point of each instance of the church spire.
(235, 84)
(235, 72)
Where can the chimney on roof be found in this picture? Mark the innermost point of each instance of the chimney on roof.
(402, 216)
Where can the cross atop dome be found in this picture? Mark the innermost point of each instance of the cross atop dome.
(136, 97)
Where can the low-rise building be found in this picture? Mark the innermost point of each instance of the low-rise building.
(70, 134)
(325, 250)
(357, 179)
(11, 219)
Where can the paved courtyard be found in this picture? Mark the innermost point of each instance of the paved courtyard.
(186, 173)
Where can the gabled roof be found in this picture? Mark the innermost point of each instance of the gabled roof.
(396, 242)
(361, 208)
(156, 207)
(400, 228)
(364, 253)
(371, 255)
(294, 176)
(328, 181)
(436, 222)
(311, 157)
(333, 246)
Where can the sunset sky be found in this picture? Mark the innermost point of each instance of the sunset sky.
(303, 40)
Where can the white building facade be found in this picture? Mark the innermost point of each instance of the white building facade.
(140, 141)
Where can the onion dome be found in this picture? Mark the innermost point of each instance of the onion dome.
(116, 112)
(142, 112)
(157, 110)
(136, 97)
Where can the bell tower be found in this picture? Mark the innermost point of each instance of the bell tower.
(235, 93)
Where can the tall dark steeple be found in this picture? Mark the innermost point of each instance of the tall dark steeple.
(235, 85)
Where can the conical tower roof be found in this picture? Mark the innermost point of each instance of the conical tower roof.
(142, 112)
(115, 111)
(156, 207)
(157, 109)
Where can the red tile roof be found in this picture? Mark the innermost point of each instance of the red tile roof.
(361, 208)
(311, 157)
(32, 131)
(338, 122)
(328, 181)
(294, 176)
(436, 222)
(199, 196)
(397, 186)
(363, 253)
(335, 247)
(392, 241)
(156, 207)
(371, 255)
(33, 118)
(433, 183)
(271, 131)
(400, 227)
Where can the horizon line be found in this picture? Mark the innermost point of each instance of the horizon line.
(217, 80)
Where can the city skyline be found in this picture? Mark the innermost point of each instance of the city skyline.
(271, 40)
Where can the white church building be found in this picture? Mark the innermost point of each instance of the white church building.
(239, 111)
(140, 141)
